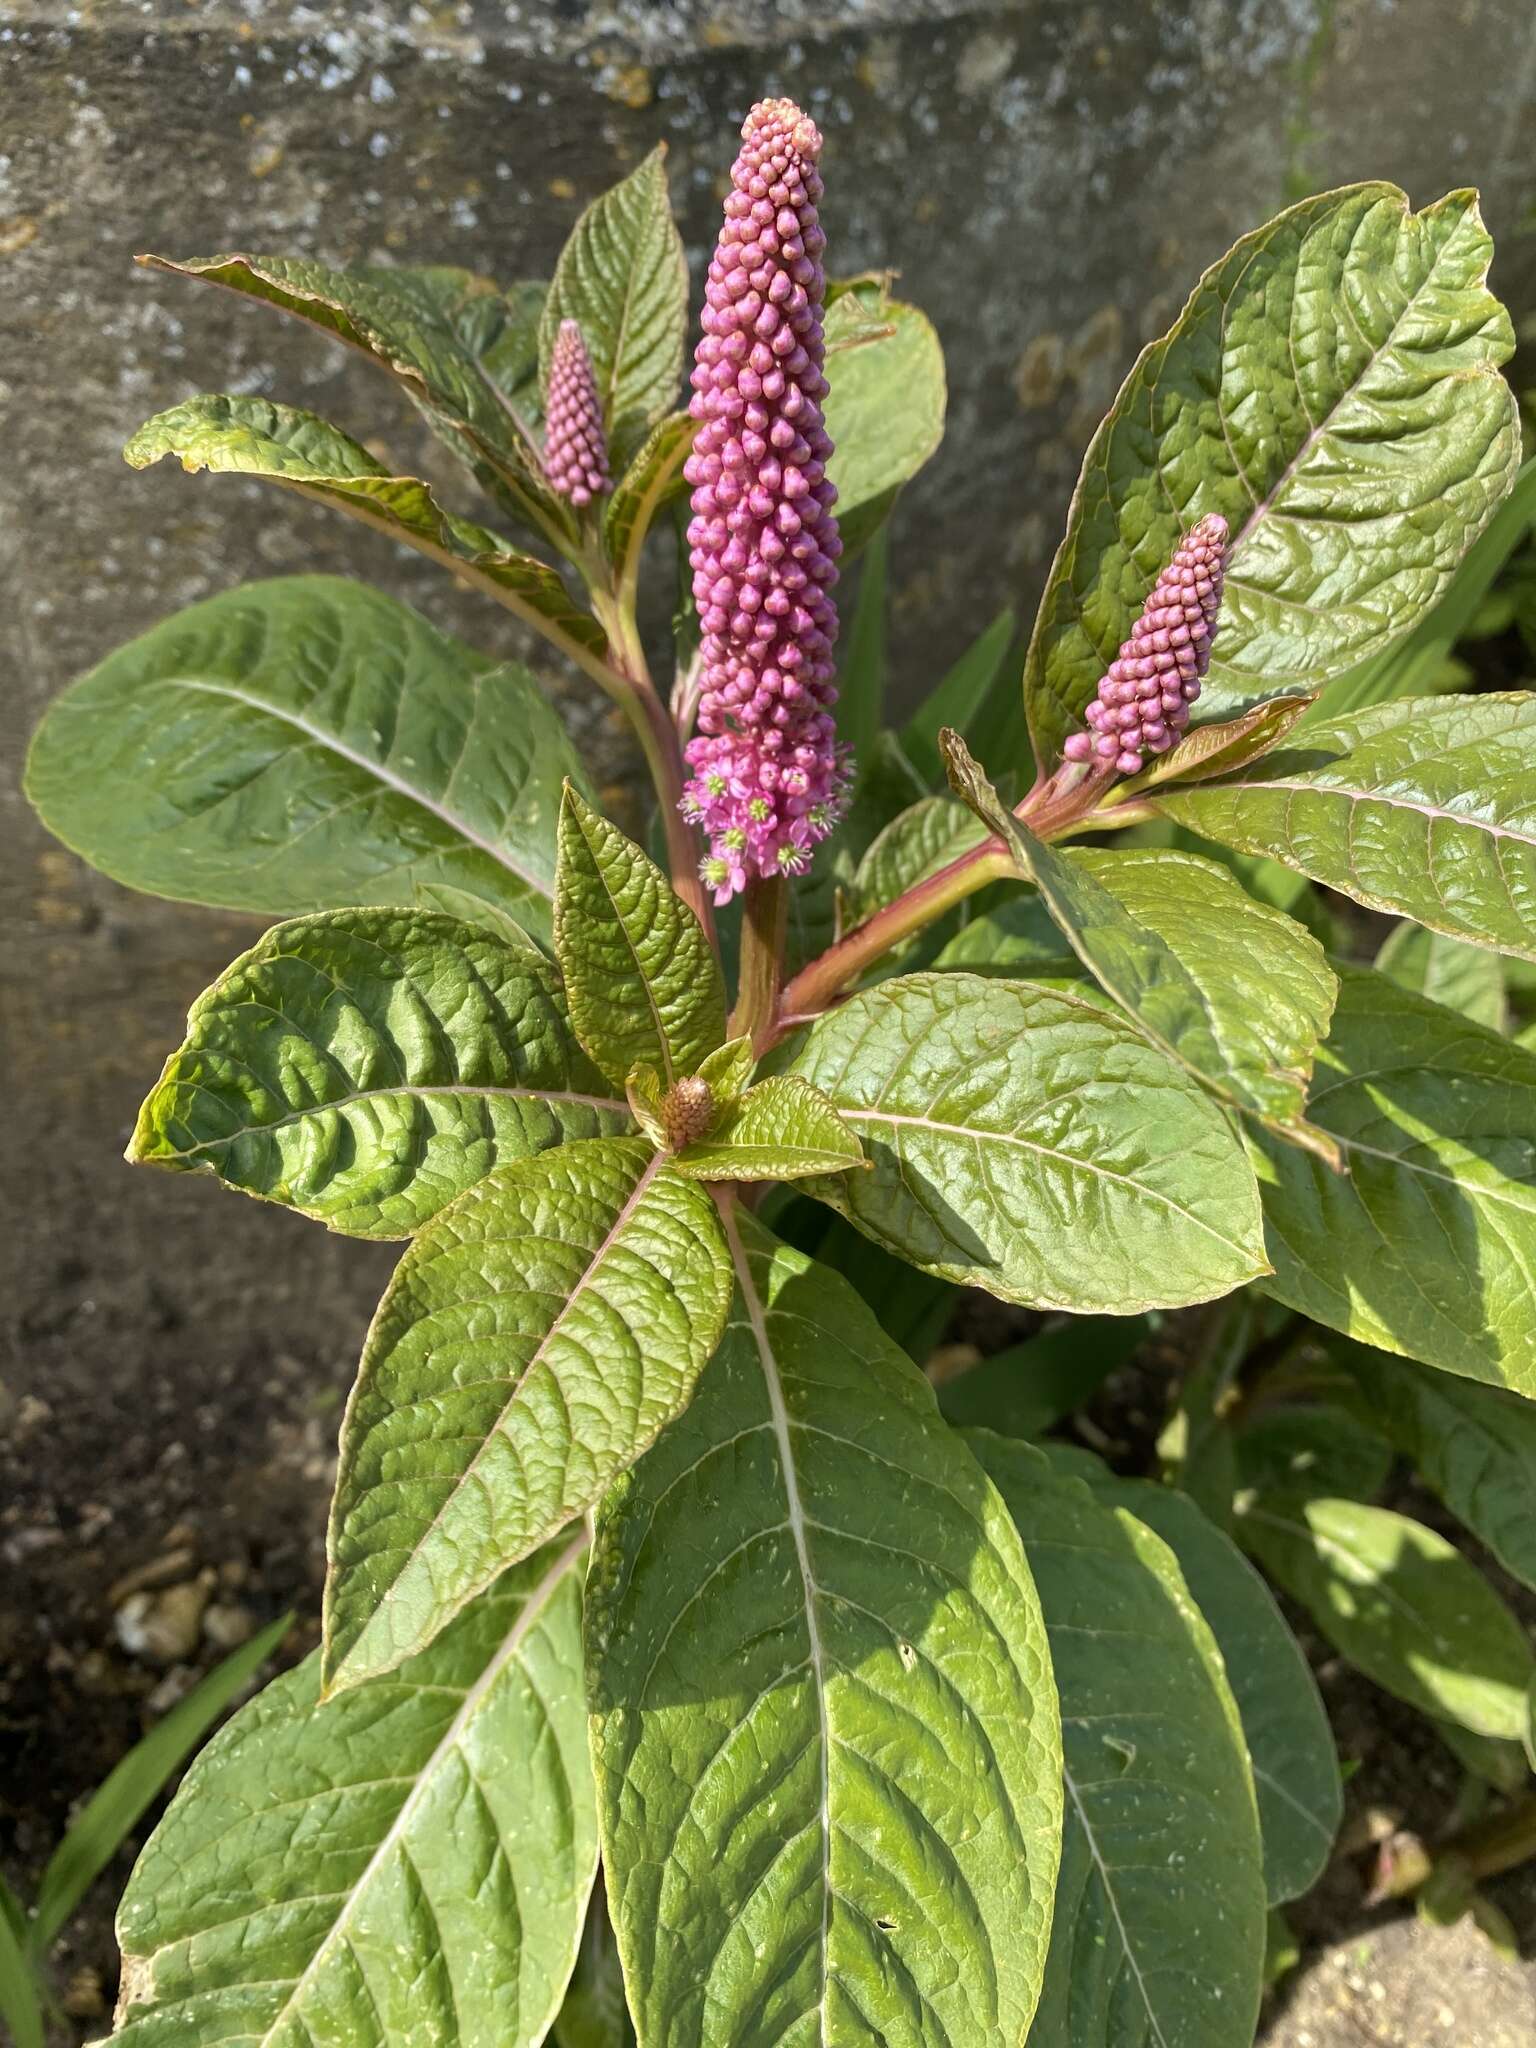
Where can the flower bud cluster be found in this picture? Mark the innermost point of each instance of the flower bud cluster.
(1143, 701)
(575, 447)
(768, 776)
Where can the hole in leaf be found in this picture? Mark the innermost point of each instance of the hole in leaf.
(908, 1655)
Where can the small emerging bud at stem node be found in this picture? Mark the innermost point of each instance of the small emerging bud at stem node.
(687, 1111)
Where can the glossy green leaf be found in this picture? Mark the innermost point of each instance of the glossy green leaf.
(923, 839)
(1018, 940)
(655, 475)
(958, 696)
(1234, 991)
(594, 2014)
(1474, 1446)
(1421, 807)
(1159, 1925)
(1313, 1447)
(884, 410)
(1465, 978)
(1212, 750)
(782, 1129)
(410, 1862)
(1024, 1389)
(1332, 388)
(367, 1066)
(252, 437)
(622, 277)
(863, 666)
(642, 981)
(99, 1829)
(824, 1729)
(452, 339)
(1402, 1605)
(1290, 1746)
(1034, 1144)
(1410, 668)
(302, 745)
(534, 1339)
(728, 1069)
(1427, 1243)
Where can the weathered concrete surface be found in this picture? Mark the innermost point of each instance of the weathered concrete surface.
(1047, 177)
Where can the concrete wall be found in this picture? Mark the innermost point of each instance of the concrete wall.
(1048, 178)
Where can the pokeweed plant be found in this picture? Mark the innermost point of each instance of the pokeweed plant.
(651, 1546)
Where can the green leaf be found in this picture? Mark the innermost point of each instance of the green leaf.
(824, 1729)
(252, 437)
(728, 1069)
(782, 1129)
(1411, 667)
(306, 744)
(885, 408)
(1464, 978)
(1402, 1605)
(1033, 1144)
(1018, 940)
(1504, 1765)
(367, 1066)
(20, 2002)
(102, 1825)
(594, 2014)
(1025, 1389)
(862, 670)
(1332, 388)
(1212, 750)
(1474, 1446)
(1427, 1243)
(622, 277)
(1237, 993)
(655, 475)
(1290, 1746)
(923, 839)
(534, 1339)
(456, 344)
(1420, 807)
(642, 981)
(1313, 1448)
(1159, 1922)
(410, 1862)
(958, 697)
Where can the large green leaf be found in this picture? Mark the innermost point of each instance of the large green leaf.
(623, 279)
(1236, 992)
(1029, 1142)
(1423, 807)
(408, 1863)
(1403, 1605)
(1332, 388)
(367, 1066)
(885, 408)
(1475, 1446)
(252, 437)
(1290, 1746)
(303, 745)
(924, 838)
(1159, 1926)
(534, 1339)
(1465, 978)
(824, 1728)
(1427, 1243)
(453, 340)
(642, 980)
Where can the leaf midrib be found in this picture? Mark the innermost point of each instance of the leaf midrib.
(534, 1607)
(408, 1089)
(332, 743)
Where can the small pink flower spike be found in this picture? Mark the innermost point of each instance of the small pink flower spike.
(1143, 701)
(768, 775)
(575, 449)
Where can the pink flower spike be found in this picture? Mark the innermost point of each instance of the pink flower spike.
(1143, 699)
(575, 447)
(769, 778)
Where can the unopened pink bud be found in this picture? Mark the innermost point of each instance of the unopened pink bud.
(575, 448)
